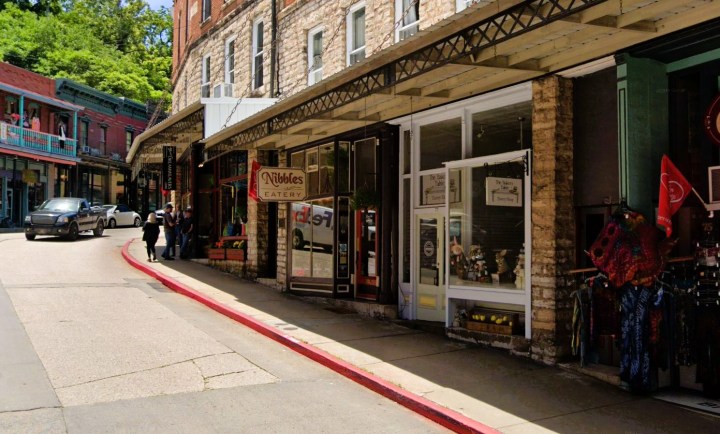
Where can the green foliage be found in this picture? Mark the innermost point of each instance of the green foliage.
(120, 47)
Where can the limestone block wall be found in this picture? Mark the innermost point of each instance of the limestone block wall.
(257, 227)
(282, 236)
(240, 26)
(553, 224)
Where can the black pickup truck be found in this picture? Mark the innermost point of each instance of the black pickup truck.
(65, 217)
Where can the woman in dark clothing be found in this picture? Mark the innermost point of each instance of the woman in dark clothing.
(151, 232)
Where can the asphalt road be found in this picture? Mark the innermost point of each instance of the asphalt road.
(89, 344)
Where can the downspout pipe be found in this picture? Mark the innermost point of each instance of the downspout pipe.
(274, 76)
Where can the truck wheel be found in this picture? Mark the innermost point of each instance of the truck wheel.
(29, 237)
(112, 223)
(137, 222)
(298, 242)
(73, 232)
(98, 231)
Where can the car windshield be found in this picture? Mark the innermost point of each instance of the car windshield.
(108, 207)
(60, 205)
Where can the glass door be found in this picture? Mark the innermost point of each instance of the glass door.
(430, 245)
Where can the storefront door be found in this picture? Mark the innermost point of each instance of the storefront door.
(430, 245)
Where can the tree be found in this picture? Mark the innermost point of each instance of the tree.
(120, 47)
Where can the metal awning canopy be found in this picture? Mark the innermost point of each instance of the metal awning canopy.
(181, 130)
(479, 50)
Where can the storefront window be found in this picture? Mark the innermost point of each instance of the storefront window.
(233, 165)
(487, 225)
(440, 142)
(501, 130)
(312, 238)
(343, 166)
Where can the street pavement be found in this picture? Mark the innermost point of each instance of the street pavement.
(89, 344)
(501, 392)
(96, 346)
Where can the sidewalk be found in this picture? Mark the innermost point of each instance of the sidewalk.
(462, 387)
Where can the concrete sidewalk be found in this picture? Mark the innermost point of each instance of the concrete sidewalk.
(462, 387)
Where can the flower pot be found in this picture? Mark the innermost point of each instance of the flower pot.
(216, 253)
(235, 254)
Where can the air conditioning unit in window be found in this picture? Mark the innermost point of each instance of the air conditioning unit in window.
(222, 90)
(86, 149)
(205, 91)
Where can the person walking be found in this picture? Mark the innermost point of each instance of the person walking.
(151, 233)
(169, 228)
(186, 231)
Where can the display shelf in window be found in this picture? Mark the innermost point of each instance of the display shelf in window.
(494, 321)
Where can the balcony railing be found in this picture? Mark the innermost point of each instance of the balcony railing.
(35, 140)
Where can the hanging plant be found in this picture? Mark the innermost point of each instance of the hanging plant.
(365, 198)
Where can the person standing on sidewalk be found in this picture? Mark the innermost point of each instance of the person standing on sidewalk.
(169, 228)
(151, 233)
(186, 231)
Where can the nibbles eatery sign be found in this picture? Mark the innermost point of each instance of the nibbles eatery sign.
(280, 184)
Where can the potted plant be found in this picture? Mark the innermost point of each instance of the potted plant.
(235, 251)
(365, 198)
(217, 251)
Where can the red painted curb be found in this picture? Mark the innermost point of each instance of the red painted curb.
(437, 413)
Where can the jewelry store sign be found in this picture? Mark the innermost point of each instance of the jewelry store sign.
(281, 184)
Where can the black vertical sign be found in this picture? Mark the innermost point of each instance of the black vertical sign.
(168, 168)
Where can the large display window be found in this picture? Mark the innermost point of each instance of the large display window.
(488, 233)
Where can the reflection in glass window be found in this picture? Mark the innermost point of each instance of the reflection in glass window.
(486, 226)
(440, 142)
(343, 166)
(502, 130)
(312, 229)
(327, 169)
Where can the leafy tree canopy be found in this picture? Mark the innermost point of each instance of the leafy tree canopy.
(118, 46)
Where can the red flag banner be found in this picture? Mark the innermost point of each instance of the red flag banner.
(252, 187)
(674, 188)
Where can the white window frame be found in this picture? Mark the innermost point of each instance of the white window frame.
(256, 53)
(349, 28)
(230, 60)
(206, 7)
(312, 72)
(399, 10)
(205, 75)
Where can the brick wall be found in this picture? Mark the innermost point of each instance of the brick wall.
(553, 224)
(24, 79)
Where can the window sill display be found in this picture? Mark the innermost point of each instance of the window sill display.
(493, 321)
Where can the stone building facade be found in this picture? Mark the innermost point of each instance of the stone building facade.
(550, 82)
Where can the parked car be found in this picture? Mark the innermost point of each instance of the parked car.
(65, 217)
(121, 215)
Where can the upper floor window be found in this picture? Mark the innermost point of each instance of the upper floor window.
(230, 61)
(205, 77)
(407, 18)
(356, 34)
(315, 41)
(103, 134)
(84, 128)
(128, 139)
(206, 10)
(257, 52)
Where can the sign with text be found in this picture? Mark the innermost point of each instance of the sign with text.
(168, 168)
(281, 184)
(503, 191)
(433, 188)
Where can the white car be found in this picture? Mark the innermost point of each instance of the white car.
(121, 215)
